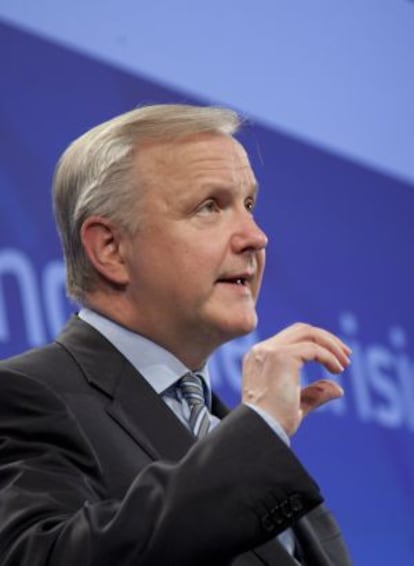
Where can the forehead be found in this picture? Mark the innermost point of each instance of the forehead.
(212, 156)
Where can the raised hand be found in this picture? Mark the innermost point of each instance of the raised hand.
(271, 373)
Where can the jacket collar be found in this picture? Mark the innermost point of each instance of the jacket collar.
(132, 402)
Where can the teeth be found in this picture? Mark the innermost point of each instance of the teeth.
(239, 282)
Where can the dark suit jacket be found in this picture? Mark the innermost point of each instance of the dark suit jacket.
(95, 470)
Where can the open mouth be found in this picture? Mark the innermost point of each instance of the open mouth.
(234, 281)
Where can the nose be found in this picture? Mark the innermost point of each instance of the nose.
(249, 236)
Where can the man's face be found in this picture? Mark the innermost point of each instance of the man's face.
(196, 263)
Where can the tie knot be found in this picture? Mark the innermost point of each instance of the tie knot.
(191, 386)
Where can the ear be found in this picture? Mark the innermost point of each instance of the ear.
(102, 242)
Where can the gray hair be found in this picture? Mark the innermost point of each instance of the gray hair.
(93, 176)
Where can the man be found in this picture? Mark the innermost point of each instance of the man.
(108, 453)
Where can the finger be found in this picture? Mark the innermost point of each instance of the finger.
(305, 332)
(330, 337)
(332, 343)
(318, 394)
(313, 352)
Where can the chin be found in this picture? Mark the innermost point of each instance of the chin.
(234, 329)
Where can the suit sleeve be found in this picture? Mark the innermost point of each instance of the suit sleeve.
(232, 491)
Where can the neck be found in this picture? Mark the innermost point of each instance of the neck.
(192, 349)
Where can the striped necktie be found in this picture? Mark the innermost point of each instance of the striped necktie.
(191, 386)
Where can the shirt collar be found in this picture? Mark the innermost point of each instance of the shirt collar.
(156, 364)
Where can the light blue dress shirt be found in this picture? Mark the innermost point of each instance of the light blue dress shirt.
(162, 370)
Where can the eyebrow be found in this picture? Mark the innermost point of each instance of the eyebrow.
(254, 187)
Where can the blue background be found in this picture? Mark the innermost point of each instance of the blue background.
(340, 256)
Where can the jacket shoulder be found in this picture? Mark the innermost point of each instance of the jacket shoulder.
(51, 364)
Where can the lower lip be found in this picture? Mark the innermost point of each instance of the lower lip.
(236, 287)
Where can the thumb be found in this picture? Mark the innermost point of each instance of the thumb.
(319, 393)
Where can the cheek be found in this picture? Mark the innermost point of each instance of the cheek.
(199, 254)
(185, 257)
(184, 266)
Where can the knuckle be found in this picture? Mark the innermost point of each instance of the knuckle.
(304, 326)
(313, 350)
(254, 355)
(259, 351)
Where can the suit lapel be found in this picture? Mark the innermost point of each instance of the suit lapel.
(143, 413)
(132, 402)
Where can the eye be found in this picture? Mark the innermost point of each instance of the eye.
(208, 207)
(250, 203)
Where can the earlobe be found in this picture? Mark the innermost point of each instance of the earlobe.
(102, 243)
